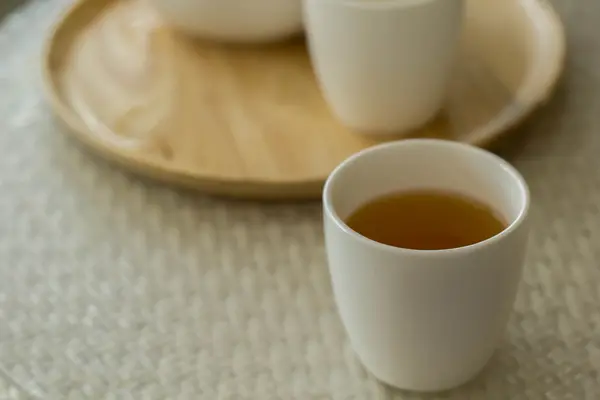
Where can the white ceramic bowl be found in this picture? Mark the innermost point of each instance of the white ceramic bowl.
(243, 21)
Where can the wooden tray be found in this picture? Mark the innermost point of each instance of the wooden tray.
(250, 121)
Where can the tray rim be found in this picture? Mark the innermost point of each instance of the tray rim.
(264, 189)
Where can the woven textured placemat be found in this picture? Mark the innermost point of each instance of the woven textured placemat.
(114, 288)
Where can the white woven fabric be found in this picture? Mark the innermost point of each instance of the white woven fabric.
(115, 288)
(10, 390)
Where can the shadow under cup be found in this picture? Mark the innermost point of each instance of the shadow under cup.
(429, 164)
(425, 320)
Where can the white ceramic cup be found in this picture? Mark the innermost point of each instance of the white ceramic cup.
(383, 65)
(425, 320)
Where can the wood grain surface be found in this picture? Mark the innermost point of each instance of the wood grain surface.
(250, 121)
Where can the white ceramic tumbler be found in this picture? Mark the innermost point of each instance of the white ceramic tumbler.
(383, 65)
(425, 320)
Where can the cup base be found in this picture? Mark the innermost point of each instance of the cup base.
(393, 131)
(440, 385)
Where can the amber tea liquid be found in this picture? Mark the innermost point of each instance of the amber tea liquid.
(426, 220)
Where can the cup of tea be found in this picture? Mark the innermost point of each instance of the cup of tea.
(383, 65)
(425, 242)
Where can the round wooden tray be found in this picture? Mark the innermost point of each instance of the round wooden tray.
(250, 121)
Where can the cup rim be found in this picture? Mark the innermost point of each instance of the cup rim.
(513, 226)
(381, 4)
